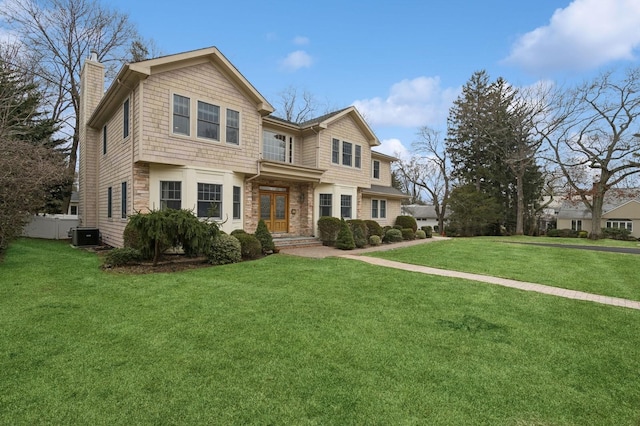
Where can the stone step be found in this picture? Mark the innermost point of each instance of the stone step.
(293, 242)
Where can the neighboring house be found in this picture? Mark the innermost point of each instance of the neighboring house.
(73, 204)
(621, 209)
(189, 131)
(425, 215)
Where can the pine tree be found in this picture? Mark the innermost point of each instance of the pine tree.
(345, 237)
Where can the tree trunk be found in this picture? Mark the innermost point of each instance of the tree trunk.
(596, 214)
(520, 205)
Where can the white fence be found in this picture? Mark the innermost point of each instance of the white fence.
(51, 227)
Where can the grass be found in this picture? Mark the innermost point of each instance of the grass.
(608, 274)
(287, 340)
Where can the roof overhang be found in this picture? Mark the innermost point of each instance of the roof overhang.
(384, 192)
(278, 170)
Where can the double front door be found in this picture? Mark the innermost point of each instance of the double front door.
(274, 204)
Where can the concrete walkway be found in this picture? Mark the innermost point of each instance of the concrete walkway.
(321, 252)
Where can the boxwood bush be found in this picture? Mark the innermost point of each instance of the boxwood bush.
(407, 222)
(408, 234)
(224, 249)
(328, 228)
(428, 231)
(250, 247)
(420, 234)
(373, 228)
(122, 256)
(375, 240)
(393, 236)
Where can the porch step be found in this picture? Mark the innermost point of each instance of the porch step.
(295, 242)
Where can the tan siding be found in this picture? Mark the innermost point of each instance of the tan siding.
(309, 150)
(199, 82)
(345, 130)
(115, 167)
(630, 210)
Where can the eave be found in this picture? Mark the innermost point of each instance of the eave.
(277, 170)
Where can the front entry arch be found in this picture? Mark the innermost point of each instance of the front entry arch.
(274, 208)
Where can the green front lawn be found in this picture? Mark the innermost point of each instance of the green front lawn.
(287, 340)
(609, 274)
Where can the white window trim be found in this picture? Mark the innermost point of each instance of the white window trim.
(373, 169)
(290, 146)
(341, 154)
(379, 200)
(193, 120)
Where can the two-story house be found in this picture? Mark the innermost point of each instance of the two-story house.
(189, 131)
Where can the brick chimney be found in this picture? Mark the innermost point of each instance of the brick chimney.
(91, 92)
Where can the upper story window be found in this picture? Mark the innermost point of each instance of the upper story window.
(346, 153)
(335, 151)
(376, 169)
(181, 117)
(208, 121)
(277, 147)
(233, 127)
(125, 119)
(104, 139)
(347, 149)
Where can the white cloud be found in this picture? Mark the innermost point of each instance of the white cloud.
(584, 35)
(411, 103)
(393, 147)
(296, 60)
(300, 40)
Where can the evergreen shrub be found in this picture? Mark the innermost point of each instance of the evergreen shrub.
(420, 234)
(224, 249)
(345, 241)
(407, 222)
(328, 228)
(408, 234)
(250, 247)
(264, 236)
(374, 228)
(122, 256)
(359, 230)
(375, 240)
(393, 235)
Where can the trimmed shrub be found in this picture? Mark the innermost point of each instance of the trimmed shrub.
(408, 234)
(398, 227)
(420, 234)
(393, 236)
(250, 247)
(238, 231)
(384, 231)
(122, 256)
(359, 230)
(373, 228)
(622, 234)
(375, 240)
(567, 233)
(428, 232)
(328, 228)
(553, 233)
(583, 234)
(407, 222)
(224, 249)
(345, 237)
(264, 236)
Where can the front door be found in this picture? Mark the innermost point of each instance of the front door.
(273, 209)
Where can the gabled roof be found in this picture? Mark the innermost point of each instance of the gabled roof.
(614, 199)
(421, 211)
(131, 74)
(325, 120)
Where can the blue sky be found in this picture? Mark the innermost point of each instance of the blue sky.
(401, 63)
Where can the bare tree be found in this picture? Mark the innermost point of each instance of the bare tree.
(56, 35)
(437, 177)
(295, 106)
(599, 133)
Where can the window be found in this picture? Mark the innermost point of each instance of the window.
(576, 225)
(73, 210)
(277, 147)
(379, 209)
(233, 127)
(325, 205)
(104, 139)
(237, 195)
(170, 195)
(109, 201)
(123, 200)
(345, 206)
(208, 121)
(358, 157)
(210, 200)
(376, 169)
(125, 122)
(346, 154)
(621, 224)
(335, 151)
(181, 115)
